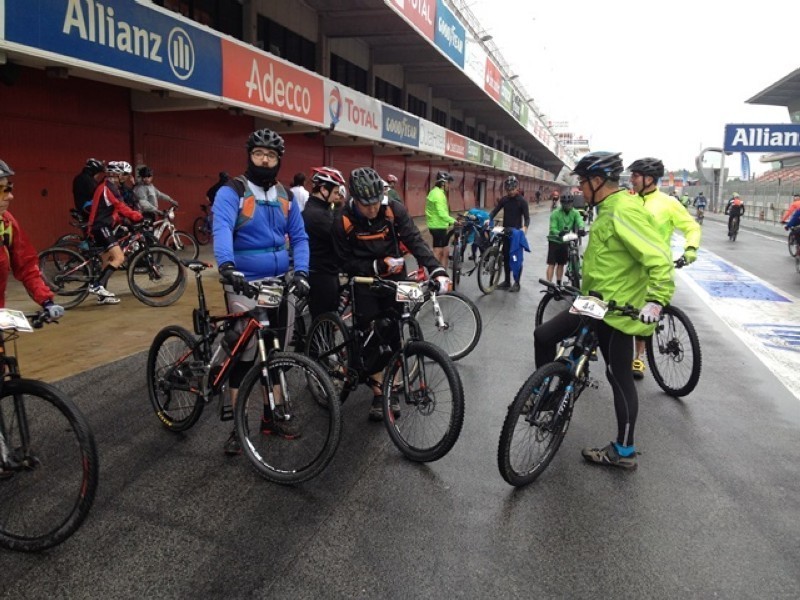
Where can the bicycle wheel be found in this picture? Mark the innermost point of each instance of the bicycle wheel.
(156, 276)
(174, 373)
(431, 398)
(48, 494)
(533, 429)
(793, 241)
(462, 324)
(201, 230)
(574, 271)
(302, 323)
(67, 274)
(183, 245)
(456, 255)
(489, 270)
(549, 307)
(69, 240)
(673, 352)
(274, 457)
(328, 343)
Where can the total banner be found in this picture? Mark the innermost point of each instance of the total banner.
(352, 112)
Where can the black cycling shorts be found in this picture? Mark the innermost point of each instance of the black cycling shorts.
(557, 254)
(439, 237)
(104, 237)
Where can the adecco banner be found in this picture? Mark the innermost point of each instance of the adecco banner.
(349, 111)
(267, 83)
(780, 137)
(455, 145)
(492, 79)
(122, 35)
(450, 35)
(419, 13)
(399, 127)
(431, 137)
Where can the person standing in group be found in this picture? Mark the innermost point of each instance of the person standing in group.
(320, 211)
(392, 191)
(555, 197)
(19, 258)
(625, 261)
(148, 195)
(437, 216)
(299, 190)
(108, 210)
(211, 194)
(566, 220)
(253, 215)
(667, 216)
(85, 183)
(538, 196)
(126, 185)
(516, 216)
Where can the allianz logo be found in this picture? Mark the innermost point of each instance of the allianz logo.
(94, 22)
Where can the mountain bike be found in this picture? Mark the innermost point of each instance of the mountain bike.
(733, 229)
(48, 456)
(186, 371)
(490, 268)
(700, 214)
(202, 228)
(794, 240)
(155, 274)
(573, 268)
(467, 231)
(418, 375)
(183, 244)
(539, 416)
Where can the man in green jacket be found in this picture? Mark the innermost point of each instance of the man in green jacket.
(566, 220)
(437, 216)
(667, 215)
(625, 261)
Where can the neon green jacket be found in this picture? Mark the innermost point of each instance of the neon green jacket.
(668, 214)
(626, 260)
(560, 220)
(437, 213)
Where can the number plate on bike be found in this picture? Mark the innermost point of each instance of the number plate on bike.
(589, 306)
(498, 229)
(409, 291)
(270, 296)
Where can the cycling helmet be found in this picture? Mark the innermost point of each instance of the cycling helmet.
(127, 169)
(735, 194)
(5, 170)
(115, 168)
(566, 200)
(266, 138)
(607, 165)
(443, 176)
(95, 166)
(223, 176)
(651, 167)
(327, 176)
(512, 183)
(385, 185)
(366, 185)
(391, 178)
(145, 172)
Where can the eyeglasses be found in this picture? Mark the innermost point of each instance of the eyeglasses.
(261, 155)
(9, 187)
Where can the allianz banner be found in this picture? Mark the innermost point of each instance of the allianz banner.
(781, 137)
(121, 35)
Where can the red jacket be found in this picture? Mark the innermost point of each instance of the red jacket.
(19, 257)
(790, 211)
(107, 208)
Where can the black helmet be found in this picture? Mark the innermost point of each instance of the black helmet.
(567, 200)
(652, 167)
(223, 176)
(366, 185)
(266, 138)
(5, 170)
(443, 176)
(607, 165)
(511, 183)
(145, 171)
(95, 166)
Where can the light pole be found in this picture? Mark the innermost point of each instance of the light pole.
(716, 177)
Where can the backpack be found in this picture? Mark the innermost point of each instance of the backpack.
(248, 202)
(400, 248)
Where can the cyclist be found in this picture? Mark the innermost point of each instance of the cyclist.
(734, 209)
(793, 221)
(253, 215)
(318, 218)
(561, 221)
(626, 261)
(107, 212)
(126, 185)
(148, 195)
(392, 192)
(555, 197)
(368, 234)
(667, 216)
(299, 190)
(515, 216)
(437, 216)
(794, 206)
(85, 183)
(211, 194)
(700, 203)
(686, 200)
(20, 257)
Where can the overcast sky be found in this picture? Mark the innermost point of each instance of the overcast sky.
(649, 78)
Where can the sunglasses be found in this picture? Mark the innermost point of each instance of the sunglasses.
(9, 187)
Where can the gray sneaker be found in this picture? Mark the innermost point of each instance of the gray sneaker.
(232, 446)
(503, 286)
(376, 410)
(514, 287)
(609, 457)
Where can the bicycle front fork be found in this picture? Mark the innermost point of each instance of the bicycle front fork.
(276, 393)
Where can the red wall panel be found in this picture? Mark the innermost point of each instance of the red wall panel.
(396, 165)
(302, 153)
(418, 180)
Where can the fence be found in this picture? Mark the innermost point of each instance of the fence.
(765, 202)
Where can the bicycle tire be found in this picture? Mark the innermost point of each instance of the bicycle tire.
(289, 461)
(171, 367)
(156, 276)
(672, 346)
(574, 272)
(61, 443)
(549, 307)
(183, 244)
(69, 240)
(528, 426)
(456, 255)
(426, 410)
(201, 231)
(328, 343)
(489, 269)
(67, 274)
(793, 242)
(463, 324)
(301, 326)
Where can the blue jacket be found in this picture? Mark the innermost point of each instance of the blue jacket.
(258, 248)
(518, 243)
(794, 220)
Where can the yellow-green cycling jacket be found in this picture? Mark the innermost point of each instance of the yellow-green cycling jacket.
(626, 260)
(669, 214)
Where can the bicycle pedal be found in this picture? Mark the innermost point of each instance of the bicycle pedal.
(226, 412)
